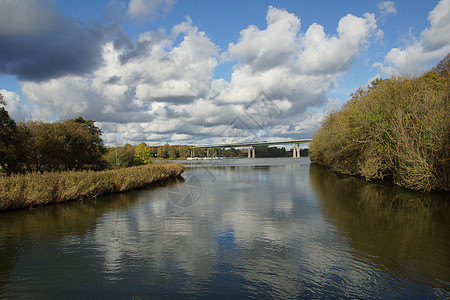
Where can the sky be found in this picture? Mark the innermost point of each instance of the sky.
(207, 72)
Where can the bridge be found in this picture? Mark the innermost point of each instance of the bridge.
(251, 146)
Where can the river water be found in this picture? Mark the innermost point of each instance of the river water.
(249, 228)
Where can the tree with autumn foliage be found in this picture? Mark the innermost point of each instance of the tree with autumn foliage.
(396, 128)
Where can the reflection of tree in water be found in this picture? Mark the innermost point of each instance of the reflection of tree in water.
(8, 257)
(25, 228)
(389, 225)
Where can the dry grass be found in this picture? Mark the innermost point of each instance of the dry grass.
(32, 190)
(397, 128)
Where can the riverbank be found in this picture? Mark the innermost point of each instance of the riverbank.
(33, 190)
(396, 129)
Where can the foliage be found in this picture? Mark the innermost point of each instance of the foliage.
(143, 154)
(7, 139)
(265, 151)
(120, 157)
(396, 128)
(125, 156)
(443, 67)
(63, 145)
(37, 189)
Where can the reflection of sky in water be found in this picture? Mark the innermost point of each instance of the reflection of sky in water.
(257, 228)
(256, 231)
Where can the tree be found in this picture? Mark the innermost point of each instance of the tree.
(62, 145)
(120, 157)
(173, 153)
(163, 152)
(443, 67)
(85, 143)
(8, 130)
(143, 154)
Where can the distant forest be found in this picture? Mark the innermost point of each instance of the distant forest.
(129, 155)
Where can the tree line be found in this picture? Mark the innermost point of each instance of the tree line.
(396, 128)
(128, 155)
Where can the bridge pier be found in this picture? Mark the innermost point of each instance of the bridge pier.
(251, 152)
(296, 151)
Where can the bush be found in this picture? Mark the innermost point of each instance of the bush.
(397, 128)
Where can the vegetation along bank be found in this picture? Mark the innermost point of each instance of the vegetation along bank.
(45, 163)
(36, 189)
(396, 128)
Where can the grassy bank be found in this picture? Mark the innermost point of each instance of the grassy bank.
(397, 128)
(32, 190)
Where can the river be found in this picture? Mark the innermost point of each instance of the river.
(251, 228)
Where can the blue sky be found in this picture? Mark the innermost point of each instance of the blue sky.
(200, 72)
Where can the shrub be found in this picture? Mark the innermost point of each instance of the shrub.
(397, 128)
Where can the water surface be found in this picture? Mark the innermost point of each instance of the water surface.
(259, 228)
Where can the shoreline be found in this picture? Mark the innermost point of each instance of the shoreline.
(24, 191)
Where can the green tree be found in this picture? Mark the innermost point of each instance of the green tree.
(85, 144)
(62, 145)
(173, 153)
(163, 152)
(143, 154)
(7, 140)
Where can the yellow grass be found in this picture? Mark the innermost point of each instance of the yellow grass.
(397, 129)
(32, 190)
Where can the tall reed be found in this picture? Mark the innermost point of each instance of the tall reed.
(397, 128)
(36, 189)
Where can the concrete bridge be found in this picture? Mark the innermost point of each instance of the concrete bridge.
(251, 146)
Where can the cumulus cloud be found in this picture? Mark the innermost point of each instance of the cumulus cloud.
(291, 70)
(323, 54)
(417, 54)
(16, 110)
(38, 44)
(275, 46)
(160, 87)
(149, 83)
(437, 35)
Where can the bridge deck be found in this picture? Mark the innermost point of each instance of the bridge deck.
(237, 145)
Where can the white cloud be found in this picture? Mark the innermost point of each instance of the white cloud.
(438, 34)
(324, 54)
(415, 57)
(272, 47)
(16, 110)
(294, 76)
(157, 90)
(387, 8)
(132, 79)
